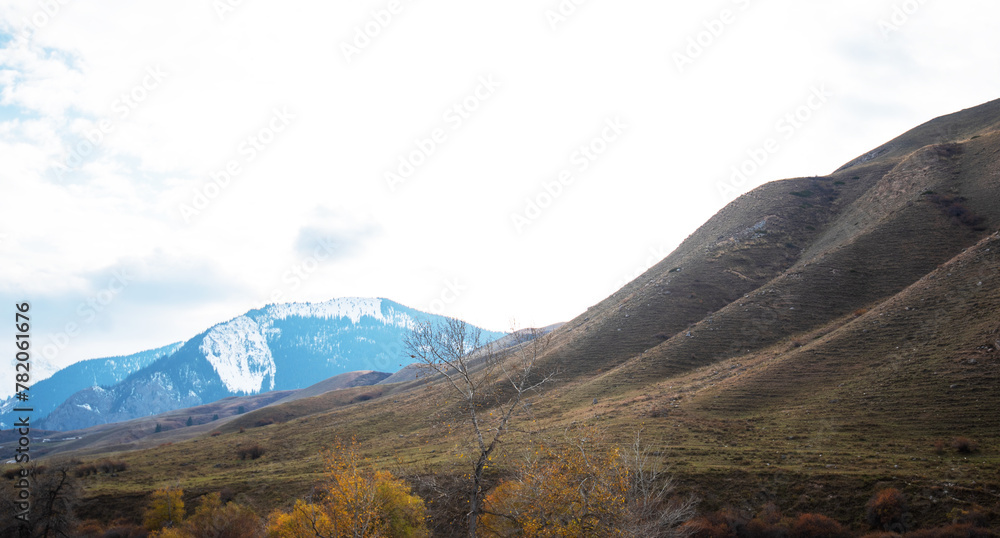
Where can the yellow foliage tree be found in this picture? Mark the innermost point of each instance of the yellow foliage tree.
(212, 518)
(580, 488)
(355, 501)
(170, 532)
(166, 509)
(305, 519)
(563, 492)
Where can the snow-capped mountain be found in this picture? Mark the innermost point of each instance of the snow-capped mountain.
(48, 393)
(278, 347)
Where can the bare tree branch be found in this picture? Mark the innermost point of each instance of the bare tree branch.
(486, 377)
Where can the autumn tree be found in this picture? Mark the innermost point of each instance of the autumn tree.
(492, 384)
(579, 487)
(215, 519)
(166, 509)
(355, 501)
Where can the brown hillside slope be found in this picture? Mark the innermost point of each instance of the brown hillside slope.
(793, 255)
(927, 360)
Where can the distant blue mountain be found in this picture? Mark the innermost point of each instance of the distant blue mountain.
(47, 394)
(278, 347)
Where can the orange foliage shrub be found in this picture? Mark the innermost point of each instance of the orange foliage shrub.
(706, 527)
(886, 509)
(768, 523)
(955, 530)
(964, 445)
(817, 526)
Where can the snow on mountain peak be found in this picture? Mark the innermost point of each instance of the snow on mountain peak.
(353, 308)
(239, 353)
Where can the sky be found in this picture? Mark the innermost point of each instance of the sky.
(165, 166)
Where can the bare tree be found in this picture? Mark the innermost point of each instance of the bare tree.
(492, 382)
(653, 510)
(54, 495)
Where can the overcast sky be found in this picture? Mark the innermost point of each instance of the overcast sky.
(165, 166)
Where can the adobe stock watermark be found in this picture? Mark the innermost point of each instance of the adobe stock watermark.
(87, 312)
(786, 126)
(900, 15)
(248, 149)
(296, 275)
(562, 11)
(580, 161)
(713, 30)
(653, 257)
(367, 32)
(452, 120)
(46, 12)
(451, 291)
(224, 7)
(122, 107)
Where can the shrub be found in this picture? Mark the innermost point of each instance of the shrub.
(253, 452)
(263, 422)
(89, 529)
(125, 530)
(223, 520)
(111, 467)
(86, 470)
(817, 526)
(706, 527)
(973, 516)
(658, 412)
(768, 523)
(216, 433)
(885, 510)
(964, 445)
(955, 530)
(802, 194)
